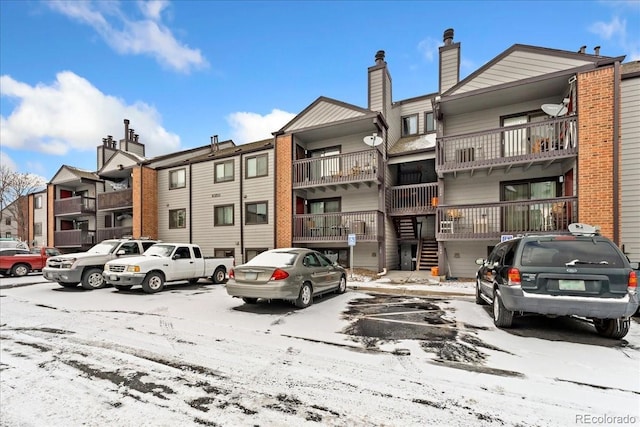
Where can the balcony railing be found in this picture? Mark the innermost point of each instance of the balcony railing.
(74, 238)
(493, 220)
(335, 227)
(113, 233)
(78, 205)
(346, 169)
(522, 144)
(115, 199)
(415, 199)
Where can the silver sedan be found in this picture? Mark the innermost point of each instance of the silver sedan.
(293, 274)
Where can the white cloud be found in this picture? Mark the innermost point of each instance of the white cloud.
(429, 48)
(607, 30)
(147, 35)
(616, 31)
(7, 162)
(250, 127)
(72, 114)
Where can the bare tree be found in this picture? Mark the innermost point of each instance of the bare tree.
(14, 187)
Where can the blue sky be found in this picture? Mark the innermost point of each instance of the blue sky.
(183, 71)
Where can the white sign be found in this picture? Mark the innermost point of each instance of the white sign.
(506, 237)
(351, 239)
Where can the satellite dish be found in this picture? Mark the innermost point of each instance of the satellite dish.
(373, 140)
(554, 110)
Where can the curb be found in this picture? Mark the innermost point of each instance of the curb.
(414, 292)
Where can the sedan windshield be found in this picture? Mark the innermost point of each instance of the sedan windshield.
(104, 248)
(273, 259)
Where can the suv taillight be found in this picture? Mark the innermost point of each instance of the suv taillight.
(232, 275)
(632, 285)
(514, 277)
(279, 274)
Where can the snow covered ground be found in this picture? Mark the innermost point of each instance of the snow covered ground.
(192, 355)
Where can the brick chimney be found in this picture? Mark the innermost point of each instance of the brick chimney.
(449, 62)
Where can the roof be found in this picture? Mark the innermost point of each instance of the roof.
(414, 143)
(225, 153)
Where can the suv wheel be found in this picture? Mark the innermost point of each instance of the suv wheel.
(479, 299)
(502, 317)
(92, 279)
(612, 328)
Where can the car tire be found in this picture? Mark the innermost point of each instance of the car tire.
(92, 279)
(67, 284)
(342, 285)
(154, 282)
(479, 299)
(502, 317)
(194, 281)
(20, 270)
(612, 328)
(122, 287)
(305, 297)
(248, 300)
(219, 276)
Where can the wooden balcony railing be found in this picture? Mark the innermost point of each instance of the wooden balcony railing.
(115, 199)
(415, 199)
(493, 220)
(538, 141)
(78, 205)
(335, 227)
(113, 233)
(74, 238)
(349, 168)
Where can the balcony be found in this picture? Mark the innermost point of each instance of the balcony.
(368, 226)
(342, 170)
(522, 145)
(75, 206)
(113, 233)
(493, 220)
(115, 199)
(415, 199)
(74, 238)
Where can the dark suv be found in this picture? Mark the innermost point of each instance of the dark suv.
(576, 274)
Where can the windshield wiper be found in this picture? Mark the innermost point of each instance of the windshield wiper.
(577, 261)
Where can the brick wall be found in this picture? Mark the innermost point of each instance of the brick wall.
(145, 202)
(284, 200)
(595, 154)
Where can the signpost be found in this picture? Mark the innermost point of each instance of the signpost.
(351, 240)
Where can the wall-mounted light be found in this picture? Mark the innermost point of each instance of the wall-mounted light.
(561, 178)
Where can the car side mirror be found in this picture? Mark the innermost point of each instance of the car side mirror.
(635, 265)
(480, 261)
(176, 256)
(121, 252)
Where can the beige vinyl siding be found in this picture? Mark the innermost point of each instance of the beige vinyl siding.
(375, 90)
(391, 246)
(395, 126)
(324, 113)
(40, 216)
(461, 257)
(449, 76)
(419, 108)
(260, 190)
(64, 175)
(517, 66)
(118, 159)
(630, 168)
(169, 200)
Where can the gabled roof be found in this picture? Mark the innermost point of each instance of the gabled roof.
(521, 62)
(69, 173)
(325, 111)
(122, 158)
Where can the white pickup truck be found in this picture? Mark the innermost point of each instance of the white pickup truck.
(165, 262)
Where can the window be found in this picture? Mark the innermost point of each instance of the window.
(130, 248)
(108, 221)
(330, 164)
(37, 229)
(224, 172)
(38, 202)
(256, 213)
(177, 179)
(252, 253)
(256, 166)
(429, 123)
(7, 234)
(224, 253)
(529, 216)
(410, 125)
(7, 221)
(196, 252)
(178, 218)
(182, 253)
(223, 215)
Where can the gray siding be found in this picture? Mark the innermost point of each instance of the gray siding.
(260, 190)
(323, 113)
(517, 66)
(40, 216)
(461, 257)
(449, 69)
(376, 94)
(630, 174)
(169, 200)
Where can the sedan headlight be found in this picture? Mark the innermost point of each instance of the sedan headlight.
(133, 269)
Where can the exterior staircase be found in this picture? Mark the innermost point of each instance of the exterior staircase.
(406, 228)
(427, 254)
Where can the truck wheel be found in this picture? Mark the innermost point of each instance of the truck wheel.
(122, 287)
(92, 279)
(20, 270)
(67, 284)
(502, 317)
(154, 282)
(612, 328)
(219, 276)
(306, 296)
(250, 300)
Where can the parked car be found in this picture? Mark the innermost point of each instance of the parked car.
(20, 262)
(165, 262)
(577, 274)
(12, 243)
(292, 274)
(86, 267)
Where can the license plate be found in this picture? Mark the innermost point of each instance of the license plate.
(251, 276)
(114, 278)
(571, 285)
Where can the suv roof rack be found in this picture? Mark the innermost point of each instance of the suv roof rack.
(579, 229)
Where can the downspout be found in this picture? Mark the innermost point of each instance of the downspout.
(141, 201)
(242, 208)
(190, 205)
(616, 152)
